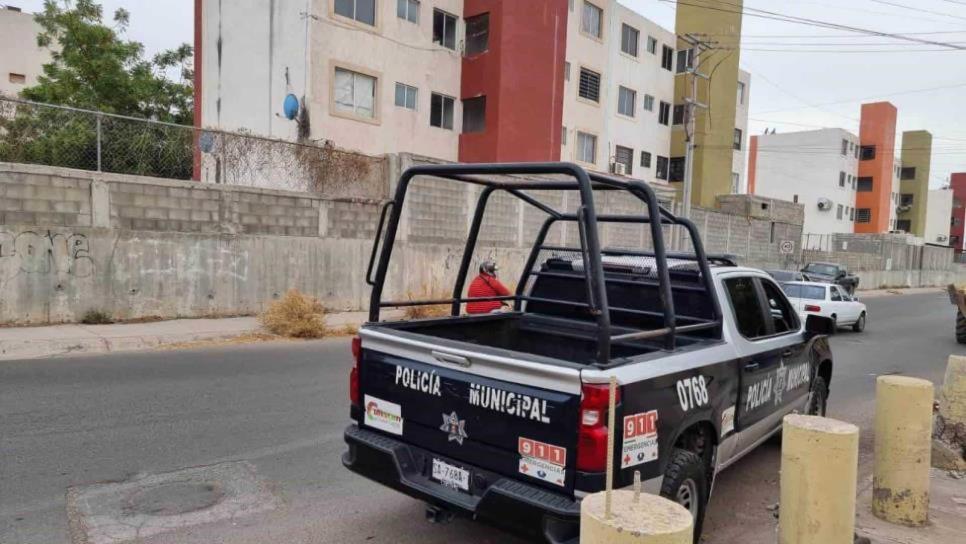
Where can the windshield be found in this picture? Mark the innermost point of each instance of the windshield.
(784, 275)
(810, 292)
(826, 269)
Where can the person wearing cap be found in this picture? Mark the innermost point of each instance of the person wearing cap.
(486, 285)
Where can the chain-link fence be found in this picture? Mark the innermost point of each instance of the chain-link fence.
(860, 252)
(67, 137)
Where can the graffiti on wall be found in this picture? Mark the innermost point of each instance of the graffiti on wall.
(47, 252)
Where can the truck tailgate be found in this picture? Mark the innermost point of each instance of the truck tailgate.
(473, 410)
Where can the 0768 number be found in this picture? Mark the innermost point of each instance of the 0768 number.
(692, 392)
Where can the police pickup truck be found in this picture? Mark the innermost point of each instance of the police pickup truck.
(503, 416)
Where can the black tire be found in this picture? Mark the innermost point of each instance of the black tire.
(859, 325)
(835, 325)
(686, 483)
(818, 398)
(960, 327)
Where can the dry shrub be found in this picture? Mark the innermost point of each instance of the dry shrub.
(428, 292)
(295, 315)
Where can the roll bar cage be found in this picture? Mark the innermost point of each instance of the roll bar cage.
(586, 218)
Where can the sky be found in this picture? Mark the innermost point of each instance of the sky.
(818, 78)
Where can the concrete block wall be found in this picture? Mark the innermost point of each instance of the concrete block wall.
(39, 198)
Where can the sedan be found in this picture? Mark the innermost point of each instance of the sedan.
(826, 300)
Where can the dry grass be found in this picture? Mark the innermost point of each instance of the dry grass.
(246, 338)
(348, 329)
(295, 315)
(428, 292)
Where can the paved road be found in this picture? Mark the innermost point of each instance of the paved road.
(282, 407)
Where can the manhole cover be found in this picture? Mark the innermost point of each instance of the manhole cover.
(172, 499)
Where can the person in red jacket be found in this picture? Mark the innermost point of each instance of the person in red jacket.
(486, 285)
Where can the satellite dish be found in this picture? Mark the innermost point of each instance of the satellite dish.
(291, 107)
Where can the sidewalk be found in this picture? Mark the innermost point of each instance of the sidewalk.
(59, 340)
(947, 514)
(873, 293)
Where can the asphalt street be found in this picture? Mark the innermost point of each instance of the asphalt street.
(70, 422)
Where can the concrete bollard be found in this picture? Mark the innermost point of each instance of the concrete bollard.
(650, 519)
(820, 458)
(949, 430)
(903, 446)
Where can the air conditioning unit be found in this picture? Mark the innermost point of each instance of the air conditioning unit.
(942, 238)
(824, 204)
(618, 168)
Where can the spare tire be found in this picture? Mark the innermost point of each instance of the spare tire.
(960, 327)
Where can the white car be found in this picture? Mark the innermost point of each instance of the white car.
(826, 300)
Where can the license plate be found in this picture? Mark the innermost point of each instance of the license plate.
(450, 475)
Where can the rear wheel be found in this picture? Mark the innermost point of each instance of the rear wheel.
(960, 327)
(859, 325)
(835, 324)
(686, 483)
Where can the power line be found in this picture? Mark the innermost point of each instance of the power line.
(917, 9)
(883, 95)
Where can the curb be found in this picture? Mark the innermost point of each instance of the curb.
(41, 349)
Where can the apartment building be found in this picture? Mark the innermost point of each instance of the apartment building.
(21, 59)
(875, 203)
(957, 221)
(939, 211)
(815, 168)
(914, 183)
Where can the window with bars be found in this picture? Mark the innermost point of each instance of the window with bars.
(629, 39)
(645, 159)
(863, 215)
(589, 85)
(626, 101)
(477, 34)
(624, 155)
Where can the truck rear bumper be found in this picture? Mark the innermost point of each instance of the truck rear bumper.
(492, 497)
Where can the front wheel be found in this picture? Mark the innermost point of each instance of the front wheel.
(686, 483)
(960, 327)
(818, 398)
(859, 325)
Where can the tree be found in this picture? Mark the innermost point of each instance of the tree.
(94, 67)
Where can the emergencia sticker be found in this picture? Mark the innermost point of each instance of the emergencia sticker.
(640, 439)
(542, 461)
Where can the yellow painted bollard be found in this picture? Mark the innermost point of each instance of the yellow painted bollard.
(649, 520)
(820, 458)
(952, 398)
(903, 447)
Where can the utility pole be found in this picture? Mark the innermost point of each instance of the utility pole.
(697, 47)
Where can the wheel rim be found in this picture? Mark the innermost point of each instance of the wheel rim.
(687, 496)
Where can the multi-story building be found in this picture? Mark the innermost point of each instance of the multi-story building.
(815, 168)
(874, 201)
(21, 59)
(589, 81)
(957, 221)
(739, 179)
(914, 187)
(939, 210)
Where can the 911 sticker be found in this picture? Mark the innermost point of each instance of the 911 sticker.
(640, 439)
(542, 461)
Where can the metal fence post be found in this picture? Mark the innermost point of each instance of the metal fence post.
(98, 143)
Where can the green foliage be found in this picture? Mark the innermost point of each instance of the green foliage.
(93, 67)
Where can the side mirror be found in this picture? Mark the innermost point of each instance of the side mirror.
(816, 325)
(841, 274)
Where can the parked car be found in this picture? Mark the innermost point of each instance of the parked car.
(831, 273)
(827, 300)
(786, 275)
(504, 416)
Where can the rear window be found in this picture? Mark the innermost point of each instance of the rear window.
(825, 269)
(810, 292)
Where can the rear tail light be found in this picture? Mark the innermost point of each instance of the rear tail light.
(592, 434)
(812, 308)
(354, 373)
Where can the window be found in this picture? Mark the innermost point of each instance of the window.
(626, 101)
(783, 318)
(747, 307)
(954, 240)
(685, 60)
(955, 221)
(591, 20)
(904, 225)
(566, 71)
(563, 135)
(907, 173)
(406, 96)
(667, 57)
(845, 147)
(629, 39)
(624, 155)
(586, 147)
(408, 10)
(741, 93)
(839, 213)
(17, 79)
(738, 139)
(735, 182)
(363, 11)
(589, 85)
(355, 93)
(652, 45)
(836, 295)
(679, 115)
(795, 199)
(856, 152)
(477, 34)
(810, 292)
(664, 113)
(661, 172)
(648, 102)
(863, 215)
(867, 152)
(441, 111)
(852, 214)
(676, 169)
(645, 159)
(841, 179)
(864, 185)
(474, 115)
(907, 199)
(444, 29)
